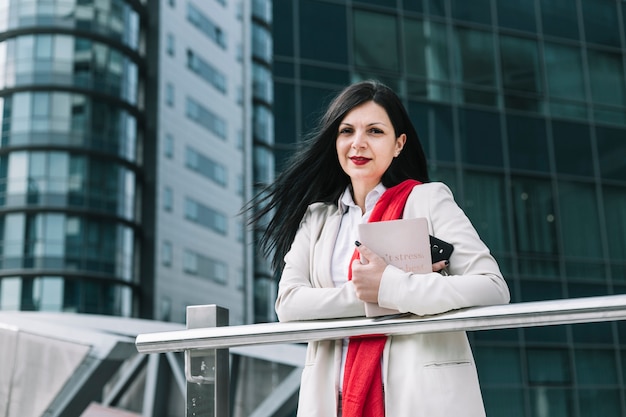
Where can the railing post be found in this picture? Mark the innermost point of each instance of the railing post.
(207, 371)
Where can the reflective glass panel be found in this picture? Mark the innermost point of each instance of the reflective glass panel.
(478, 11)
(596, 333)
(282, 27)
(328, 44)
(615, 213)
(520, 64)
(516, 14)
(579, 223)
(606, 73)
(485, 204)
(498, 365)
(502, 401)
(552, 402)
(426, 50)
(601, 22)
(596, 367)
(559, 18)
(534, 216)
(435, 127)
(548, 366)
(540, 290)
(572, 148)
(611, 152)
(564, 71)
(475, 57)
(528, 148)
(599, 402)
(480, 137)
(376, 41)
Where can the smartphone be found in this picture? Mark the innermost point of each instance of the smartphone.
(440, 249)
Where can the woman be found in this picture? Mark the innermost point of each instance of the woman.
(365, 147)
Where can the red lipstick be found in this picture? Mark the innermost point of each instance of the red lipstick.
(359, 160)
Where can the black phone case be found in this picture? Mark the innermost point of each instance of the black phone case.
(439, 249)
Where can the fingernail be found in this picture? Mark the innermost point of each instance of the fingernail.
(447, 262)
(356, 242)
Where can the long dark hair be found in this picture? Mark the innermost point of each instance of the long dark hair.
(313, 173)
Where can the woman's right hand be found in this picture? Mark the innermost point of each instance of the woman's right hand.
(440, 266)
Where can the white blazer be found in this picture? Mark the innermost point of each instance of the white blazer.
(427, 375)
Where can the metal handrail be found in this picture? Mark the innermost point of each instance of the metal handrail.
(528, 314)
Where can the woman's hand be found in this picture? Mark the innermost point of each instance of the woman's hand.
(367, 273)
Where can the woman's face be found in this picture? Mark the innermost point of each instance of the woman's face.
(366, 144)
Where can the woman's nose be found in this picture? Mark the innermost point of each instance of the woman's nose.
(358, 140)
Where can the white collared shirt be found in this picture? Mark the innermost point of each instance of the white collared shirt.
(348, 231)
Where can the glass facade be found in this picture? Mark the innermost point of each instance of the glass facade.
(70, 141)
(521, 108)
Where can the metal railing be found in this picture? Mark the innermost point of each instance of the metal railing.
(206, 341)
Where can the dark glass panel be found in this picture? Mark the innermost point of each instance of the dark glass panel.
(546, 334)
(521, 70)
(550, 401)
(572, 148)
(492, 361)
(611, 153)
(325, 75)
(283, 69)
(480, 135)
(376, 41)
(426, 50)
(413, 6)
(586, 290)
(599, 402)
(314, 103)
(568, 84)
(284, 113)
(596, 333)
(586, 271)
(606, 74)
(327, 44)
(615, 214)
(559, 18)
(474, 53)
(485, 205)
(548, 366)
(596, 367)
(516, 14)
(282, 27)
(435, 126)
(528, 148)
(502, 401)
(382, 3)
(601, 22)
(579, 222)
(436, 7)
(478, 11)
(540, 290)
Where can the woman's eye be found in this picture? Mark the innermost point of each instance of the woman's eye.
(345, 131)
(377, 131)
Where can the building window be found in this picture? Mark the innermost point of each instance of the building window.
(206, 118)
(205, 267)
(166, 253)
(206, 71)
(168, 199)
(205, 216)
(205, 166)
(168, 146)
(206, 25)
(169, 94)
(170, 44)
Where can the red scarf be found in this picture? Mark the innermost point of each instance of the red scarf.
(362, 383)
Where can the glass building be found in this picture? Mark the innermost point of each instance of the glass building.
(70, 127)
(521, 108)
